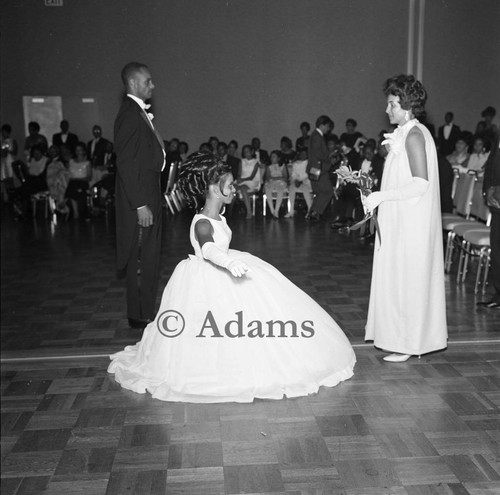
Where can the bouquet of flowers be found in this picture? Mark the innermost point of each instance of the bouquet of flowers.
(364, 183)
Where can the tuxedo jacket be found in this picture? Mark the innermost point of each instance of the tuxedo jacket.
(234, 164)
(71, 141)
(447, 146)
(97, 157)
(139, 160)
(318, 156)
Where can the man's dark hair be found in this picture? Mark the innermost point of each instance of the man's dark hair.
(323, 120)
(130, 69)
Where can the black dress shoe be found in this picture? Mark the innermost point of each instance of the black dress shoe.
(135, 323)
(489, 304)
(313, 216)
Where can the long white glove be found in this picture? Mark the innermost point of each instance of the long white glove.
(415, 188)
(212, 253)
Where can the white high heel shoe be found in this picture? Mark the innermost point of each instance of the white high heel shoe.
(397, 358)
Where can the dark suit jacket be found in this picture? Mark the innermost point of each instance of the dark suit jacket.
(97, 157)
(71, 141)
(318, 156)
(139, 160)
(447, 146)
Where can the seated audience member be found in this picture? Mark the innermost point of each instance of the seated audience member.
(447, 135)
(233, 162)
(275, 181)
(36, 178)
(183, 151)
(213, 141)
(330, 134)
(248, 180)
(302, 142)
(487, 128)
(65, 137)
(460, 154)
(477, 158)
(299, 182)
(232, 148)
(80, 174)
(351, 137)
(286, 150)
(57, 180)
(8, 156)
(34, 139)
(96, 147)
(205, 148)
(261, 155)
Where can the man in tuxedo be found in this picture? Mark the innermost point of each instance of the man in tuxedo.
(318, 167)
(448, 135)
(65, 137)
(140, 159)
(96, 148)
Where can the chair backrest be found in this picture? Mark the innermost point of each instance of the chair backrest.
(478, 208)
(463, 194)
(172, 175)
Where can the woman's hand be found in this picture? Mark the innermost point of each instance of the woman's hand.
(237, 268)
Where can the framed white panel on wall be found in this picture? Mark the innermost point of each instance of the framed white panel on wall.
(46, 110)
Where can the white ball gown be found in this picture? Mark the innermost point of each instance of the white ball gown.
(258, 336)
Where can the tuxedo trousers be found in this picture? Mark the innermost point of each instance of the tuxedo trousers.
(323, 193)
(495, 253)
(143, 271)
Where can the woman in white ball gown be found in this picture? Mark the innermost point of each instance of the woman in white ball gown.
(231, 327)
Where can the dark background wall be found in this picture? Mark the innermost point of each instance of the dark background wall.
(239, 68)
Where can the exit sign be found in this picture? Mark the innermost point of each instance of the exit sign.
(53, 3)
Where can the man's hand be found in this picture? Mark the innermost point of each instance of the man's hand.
(144, 216)
(491, 199)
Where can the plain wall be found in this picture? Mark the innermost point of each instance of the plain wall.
(243, 68)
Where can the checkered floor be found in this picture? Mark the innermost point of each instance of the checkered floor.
(428, 426)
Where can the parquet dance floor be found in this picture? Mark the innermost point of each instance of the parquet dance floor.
(429, 426)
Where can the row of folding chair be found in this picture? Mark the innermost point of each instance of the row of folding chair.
(173, 197)
(468, 228)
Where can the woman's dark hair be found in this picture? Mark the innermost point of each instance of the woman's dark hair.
(197, 173)
(491, 111)
(286, 140)
(7, 128)
(352, 122)
(306, 125)
(412, 94)
(277, 153)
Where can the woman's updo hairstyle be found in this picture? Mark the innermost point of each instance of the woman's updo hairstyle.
(412, 94)
(197, 173)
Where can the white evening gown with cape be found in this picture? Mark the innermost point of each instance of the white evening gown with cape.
(207, 364)
(407, 310)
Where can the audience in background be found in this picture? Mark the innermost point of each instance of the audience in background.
(232, 161)
(460, 154)
(286, 150)
(352, 137)
(302, 142)
(299, 182)
(183, 150)
(448, 135)
(65, 137)
(261, 155)
(487, 128)
(34, 138)
(80, 174)
(57, 178)
(232, 147)
(477, 158)
(248, 180)
(96, 147)
(275, 182)
(8, 156)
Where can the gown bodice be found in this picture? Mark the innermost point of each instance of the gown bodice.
(221, 233)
